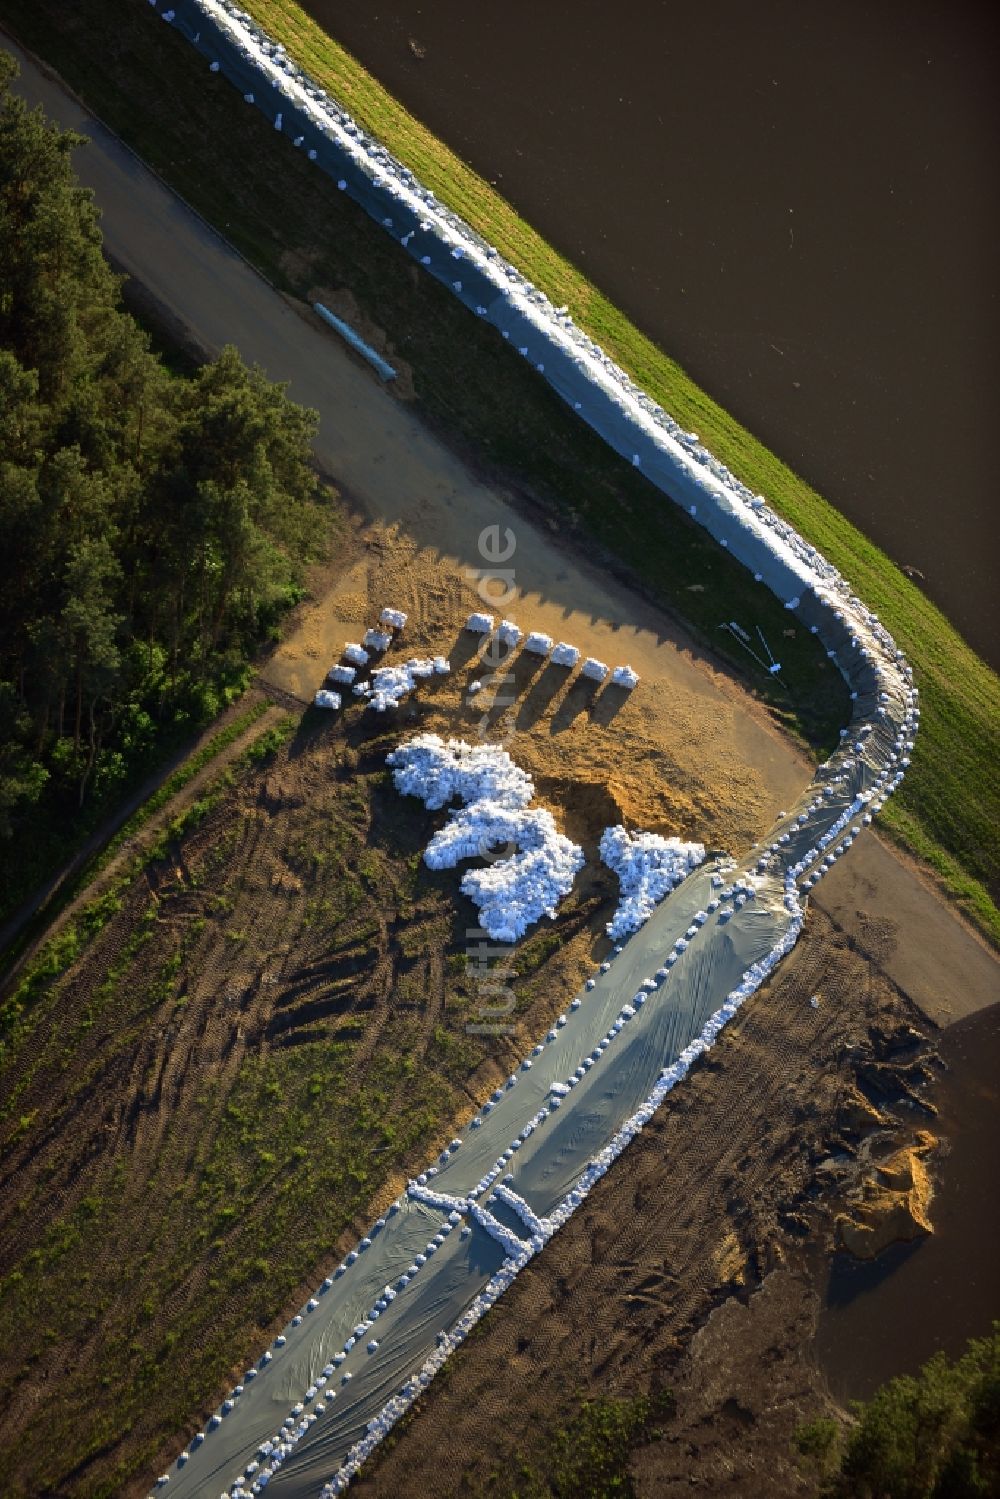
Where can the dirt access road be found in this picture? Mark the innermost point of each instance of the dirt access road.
(741, 1155)
(397, 473)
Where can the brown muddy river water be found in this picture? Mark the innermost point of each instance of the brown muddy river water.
(797, 201)
(889, 1317)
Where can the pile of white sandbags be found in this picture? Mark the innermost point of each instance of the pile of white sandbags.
(390, 684)
(514, 892)
(325, 699)
(624, 676)
(564, 655)
(648, 867)
(394, 618)
(441, 771)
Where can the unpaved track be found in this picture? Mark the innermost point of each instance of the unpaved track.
(391, 467)
(375, 448)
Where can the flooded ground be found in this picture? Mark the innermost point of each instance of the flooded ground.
(889, 1317)
(796, 202)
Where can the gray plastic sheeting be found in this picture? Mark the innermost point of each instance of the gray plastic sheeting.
(448, 1248)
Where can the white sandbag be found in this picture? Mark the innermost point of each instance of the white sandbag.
(508, 633)
(345, 674)
(594, 669)
(356, 654)
(538, 644)
(325, 699)
(564, 655)
(480, 624)
(378, 640)
(624, 676)
(394, 618)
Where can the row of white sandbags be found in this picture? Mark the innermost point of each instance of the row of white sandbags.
(559, 653)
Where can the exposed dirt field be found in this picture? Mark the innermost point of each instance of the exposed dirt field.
(707, 1212)
(680, 754)
(270, 1032)
(248, 1052)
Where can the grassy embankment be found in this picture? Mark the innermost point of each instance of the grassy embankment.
(289, 220)
(260, 1025)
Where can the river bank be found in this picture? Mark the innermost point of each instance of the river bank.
(307, 237)
(888, 1316)
(801, 220)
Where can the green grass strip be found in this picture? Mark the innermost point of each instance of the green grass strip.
(62, 950)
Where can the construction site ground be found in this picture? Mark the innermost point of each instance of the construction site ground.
(269, 1034)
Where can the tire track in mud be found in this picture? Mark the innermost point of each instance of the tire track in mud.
(245, 923)
(610, 1305)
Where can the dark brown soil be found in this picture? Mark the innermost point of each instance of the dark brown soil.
(689, 1265)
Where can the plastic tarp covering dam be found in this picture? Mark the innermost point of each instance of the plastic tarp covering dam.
(350, 1363)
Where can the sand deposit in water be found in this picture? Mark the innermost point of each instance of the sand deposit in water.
(889, 1317)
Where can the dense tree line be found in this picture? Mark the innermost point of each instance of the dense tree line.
(933, 1435)
(152, 527)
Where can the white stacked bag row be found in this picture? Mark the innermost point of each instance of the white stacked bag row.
(648, 867)
(560, 653)
(513, 892)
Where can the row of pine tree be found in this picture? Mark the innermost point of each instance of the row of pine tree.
(152, 526)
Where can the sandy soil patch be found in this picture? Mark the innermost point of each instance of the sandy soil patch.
(679, 754)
